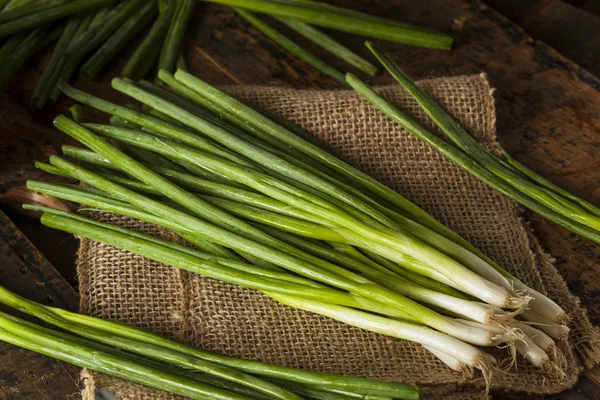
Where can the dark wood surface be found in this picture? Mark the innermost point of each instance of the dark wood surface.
(572, 28)
(547, 113)
(24, 374)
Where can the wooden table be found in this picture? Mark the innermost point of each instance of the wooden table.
(547, 117)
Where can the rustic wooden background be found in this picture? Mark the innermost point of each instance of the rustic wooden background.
(547, 118)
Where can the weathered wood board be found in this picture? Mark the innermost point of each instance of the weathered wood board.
(24, 374)
(547, 106)
(573, 31)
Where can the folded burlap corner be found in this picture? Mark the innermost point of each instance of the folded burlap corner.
(228, 319)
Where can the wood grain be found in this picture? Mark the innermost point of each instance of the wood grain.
(547, 106)
(24, 374)
(571, 30)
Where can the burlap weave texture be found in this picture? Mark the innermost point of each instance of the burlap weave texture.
(118, 285)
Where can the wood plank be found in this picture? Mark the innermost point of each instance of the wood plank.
(571, 27)
(518, 11)
(592, 6)
(25, 374)
(575, 33)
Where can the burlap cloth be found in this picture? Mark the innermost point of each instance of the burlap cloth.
(228, 319)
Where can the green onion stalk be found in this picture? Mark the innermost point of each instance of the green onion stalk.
(228, 191)
(476, 311)
(32, 43)
(170, 212)
(332, 215)
(492, 172)
(65, 67)
(89, 37)
(98, 33)
(330, 274)
(115, 43)
(171, 48)
(39, 187)
(53, 69)
(328, 43)
(279, 289)
(190, 155)
(287, 140)
(291, 46)
(497, 277)
(345, 20)
(25, 18)
(592, 209)
(549, 198)
(255, 190)
(155, 361)
(70, 225)
(555, 331)
(66, 348)
(147, 52)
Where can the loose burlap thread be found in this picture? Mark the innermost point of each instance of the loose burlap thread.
(119, 285)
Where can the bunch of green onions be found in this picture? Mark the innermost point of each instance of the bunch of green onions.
(90, 33)
(143, 357)
(268, 209)
(508, 176)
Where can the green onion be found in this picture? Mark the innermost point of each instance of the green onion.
(28, 7)
(291, 46)
(551, 327)
(249, 187)
(459, 306)
(317, 5)
(449, 278)
(396, 298)
(181, 63)
(193, 102)
(260, 157)
(392, 328)
(155, 124)
(362, 319)
(230, 370)
(118, 40)
(194, 204)
(538, 337)
(100, 201)
(62, 347)
(331, 45)
(44, 16)
(336, 18)
(172, 45)
(10, 46)
(503, 179)
(473, 149)
(432, 239)
(460, 159)
(53, 68)
(274, 133)
(53, 316)
(67, 66)
(330, 214)
(99, 33)
(147, 52)
(549, 185)
(36, 40)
